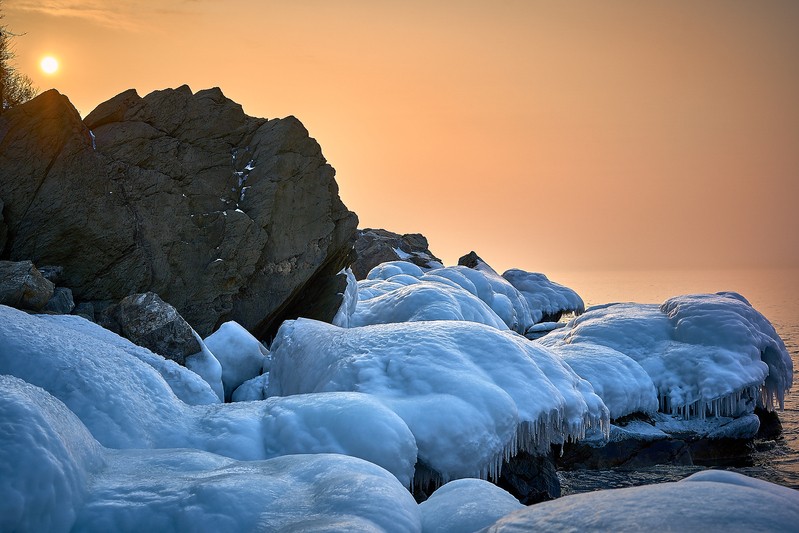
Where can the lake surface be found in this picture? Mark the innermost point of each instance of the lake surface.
(775, 293)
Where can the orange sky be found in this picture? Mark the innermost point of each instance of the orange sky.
(544, 135)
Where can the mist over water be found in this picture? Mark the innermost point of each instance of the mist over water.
(775, 293)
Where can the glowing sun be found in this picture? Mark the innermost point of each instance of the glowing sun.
(49, 65)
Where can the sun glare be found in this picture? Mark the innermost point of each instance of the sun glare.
(49, 65)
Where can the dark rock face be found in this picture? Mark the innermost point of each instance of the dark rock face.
(23, 286)
(627, 454)
(530, 478)
(225, 216)
(148, 321)
(375, 246)
(3, 229)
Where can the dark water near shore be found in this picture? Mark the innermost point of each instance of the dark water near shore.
(775, 293)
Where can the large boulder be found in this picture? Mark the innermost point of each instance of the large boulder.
(225, 216)
(376, 246)
(23, 286)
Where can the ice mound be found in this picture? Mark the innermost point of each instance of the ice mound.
(239, 353)
(46, 458)
(622, 383)
(466, 505)
(712, 500)
(54, 476)
(420, 301)
(186, 385)
(472, 395)
(707, 354)
(125, 403)
(546, 299)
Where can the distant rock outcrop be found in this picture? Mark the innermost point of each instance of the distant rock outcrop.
(225, 216)
(375, 246)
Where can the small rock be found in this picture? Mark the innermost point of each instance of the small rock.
(86, 310)
(61, 303)
(23, 286)
(145, 319)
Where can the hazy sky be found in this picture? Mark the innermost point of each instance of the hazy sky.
(544, 135)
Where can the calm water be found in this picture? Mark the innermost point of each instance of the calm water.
(775, 293)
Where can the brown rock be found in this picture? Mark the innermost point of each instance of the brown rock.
(22, 286)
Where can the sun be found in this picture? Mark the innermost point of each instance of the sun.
(49, 65)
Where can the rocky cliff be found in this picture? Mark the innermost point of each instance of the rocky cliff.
(225, 216)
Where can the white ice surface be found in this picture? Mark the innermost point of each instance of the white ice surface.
(349, 300)
(707, 355)
(205, 365)
(55, 477)
(239, 353)
(186, 385)
(471, 394)
(422, 301)
(622, 383)
(125, 403)
(252, 390)
(712, 500)
(544, 297)
(465, 506)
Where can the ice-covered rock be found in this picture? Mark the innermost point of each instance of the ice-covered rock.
(185, 384)
(465, 505)
(622, 383)
(406, 299)
(54, 476)
(239, 353)
(712, 500)
(546, 299)
(707, 354)
(472, 395)
(398, 291)
(252, 390)
(125, 403)
(46, 459)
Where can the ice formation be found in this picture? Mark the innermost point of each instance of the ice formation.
(545, 299)
(712, 500)
(239, 353)
(707, 354)
(466, 505)
(622, 383)
(125, 403)
(68, 482)
(186, 385)
(398, 291)
(472, 395)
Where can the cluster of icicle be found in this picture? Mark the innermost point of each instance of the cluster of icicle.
(534, 438)
(730, 405)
